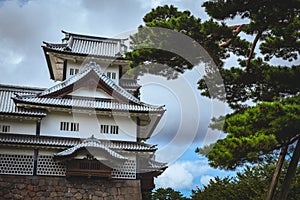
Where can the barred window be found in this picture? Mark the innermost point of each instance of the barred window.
(111, 75)
(69, 126)
(71, 71)
(74, 71)
(109, 129)
(104, 129)
(5, 128)
(114, 129)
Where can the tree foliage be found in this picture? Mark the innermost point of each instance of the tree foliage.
(274, 27)
(255, 132)
(166, 194)
(251, 183)
(146, 43)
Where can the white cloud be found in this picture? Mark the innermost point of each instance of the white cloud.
(181, 175)
(176, 177)
(204, 180)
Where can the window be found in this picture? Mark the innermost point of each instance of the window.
(71, 71)
(114, 129)
(69, 126)
(104, 128)
(5, 128)
(74, 71)
(74, 126)
(111, 75)
(109, 129)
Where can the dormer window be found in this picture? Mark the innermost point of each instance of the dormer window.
(74, 71)
(111, 75)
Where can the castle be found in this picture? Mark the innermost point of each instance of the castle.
(85, 135)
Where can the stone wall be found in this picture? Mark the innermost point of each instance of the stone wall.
(43, 187)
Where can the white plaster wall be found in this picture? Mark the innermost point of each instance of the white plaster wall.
(16, 151)
(88, 125)
(20, 126)
(115, 69)
(87, 92)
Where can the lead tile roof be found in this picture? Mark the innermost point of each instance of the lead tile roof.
(89, 45)
(90, 143)
(132, 104)
(7, 106)
(65, 142)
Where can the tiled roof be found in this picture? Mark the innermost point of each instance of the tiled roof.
(87, 103)
(7, 106)
(132, 104)
(89, 45)
(129, 83)
(90, 143)
(153, 164)
(92, 66)
(66, 142)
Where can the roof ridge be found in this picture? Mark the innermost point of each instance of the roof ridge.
(68, 34)
(19, 87)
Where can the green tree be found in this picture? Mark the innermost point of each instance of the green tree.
(274, 26)
(251, 184)
(208, 34)
(166, 194)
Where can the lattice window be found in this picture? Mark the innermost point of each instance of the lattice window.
(16, 164)
(126, 171)
(47, 166)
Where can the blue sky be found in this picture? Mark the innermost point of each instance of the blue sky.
(25, 24)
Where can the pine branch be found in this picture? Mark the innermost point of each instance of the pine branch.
(237, 29)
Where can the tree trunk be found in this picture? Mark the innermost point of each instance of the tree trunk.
(276, 173)
(252, 50)
(290, 174)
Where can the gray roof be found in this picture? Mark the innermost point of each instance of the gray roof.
(65, 142)
(90, 143)
(129, 83)
(7, 106)
(96, 104)
(89, 45)
(131, 104)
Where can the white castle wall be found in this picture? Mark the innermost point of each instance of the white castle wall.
(88, 125)
(20, 126)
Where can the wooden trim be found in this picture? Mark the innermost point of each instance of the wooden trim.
(38, 127)
(35, 159)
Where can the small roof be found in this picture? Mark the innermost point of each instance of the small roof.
(7, 106)
(80, 44)
(56, 95)
(89, 143)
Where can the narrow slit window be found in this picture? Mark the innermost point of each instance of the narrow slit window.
(69, 126)
(71, 71)
(104, 129)
(114, 129)
(113, 75)
(5, 128)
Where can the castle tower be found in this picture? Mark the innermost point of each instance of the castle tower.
(87, 133)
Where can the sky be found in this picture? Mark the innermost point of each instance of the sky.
(25, 24)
